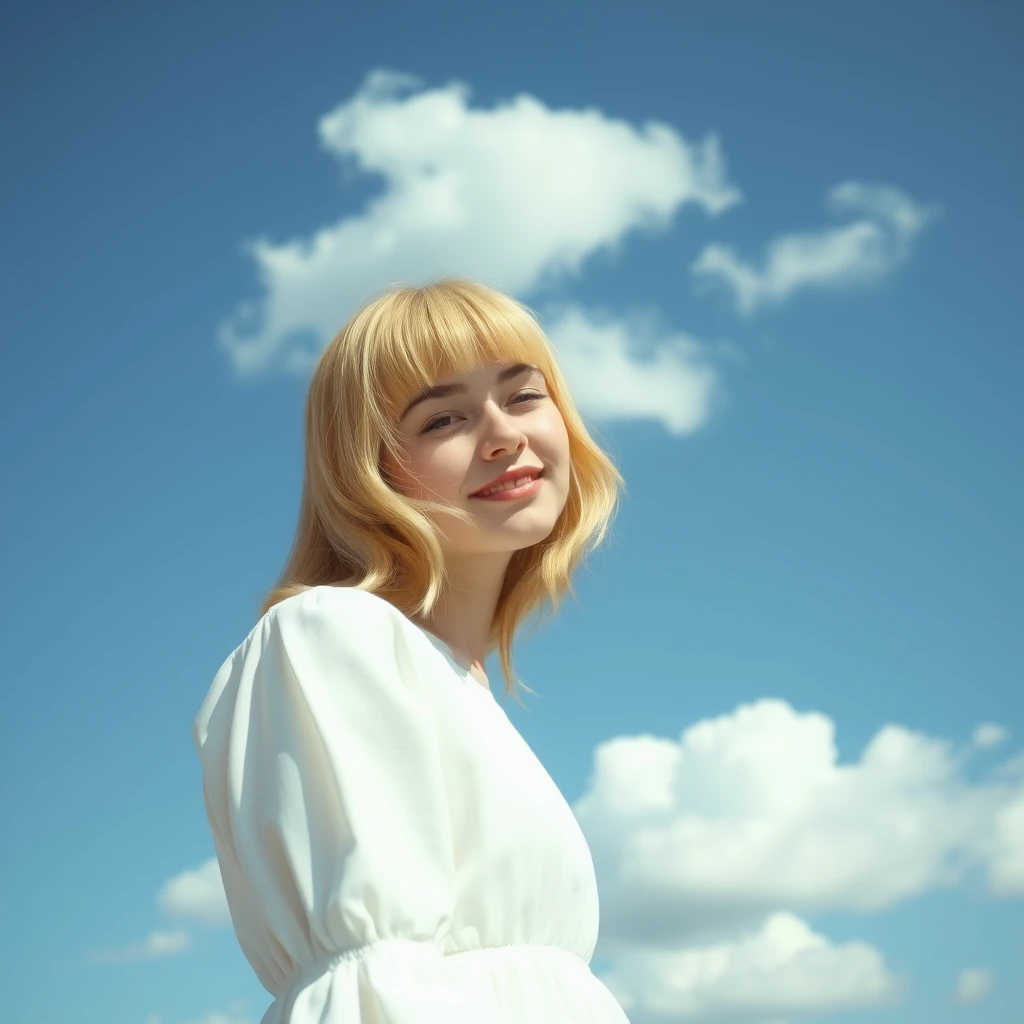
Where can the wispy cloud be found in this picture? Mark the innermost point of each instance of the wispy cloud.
(196, 894)
(864, 250)
(155, 946)
(988, 735)
(233, 1015)
(519, 195)
(973, 983)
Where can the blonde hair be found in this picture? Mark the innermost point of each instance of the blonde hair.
(356, 530)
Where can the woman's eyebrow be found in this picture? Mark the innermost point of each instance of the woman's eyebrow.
(444, 390)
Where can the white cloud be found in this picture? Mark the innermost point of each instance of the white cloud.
(751, 812)
(155, 946)
(973, 983)
(864, 250)
(196, 894)
(234, 1015)
(989, 735)
(673, 383)
(1011, 769)
(1006, 850)
(781, 968)
(517, 196)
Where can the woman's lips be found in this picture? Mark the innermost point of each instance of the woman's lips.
(527, 490)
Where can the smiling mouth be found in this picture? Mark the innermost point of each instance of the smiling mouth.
(509, 486)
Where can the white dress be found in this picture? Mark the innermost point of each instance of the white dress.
(392, 850)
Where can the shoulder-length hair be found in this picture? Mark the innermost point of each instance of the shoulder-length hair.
(355, 529)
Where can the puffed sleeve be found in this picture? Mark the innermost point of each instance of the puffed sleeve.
(324, 791)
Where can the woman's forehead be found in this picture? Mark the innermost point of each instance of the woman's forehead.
(486, 356)
(498, 370)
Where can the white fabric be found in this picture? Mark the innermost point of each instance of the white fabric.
(391, 848)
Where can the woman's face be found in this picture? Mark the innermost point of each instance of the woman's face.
(495, 418)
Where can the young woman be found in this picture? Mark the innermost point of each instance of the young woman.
(392, 851)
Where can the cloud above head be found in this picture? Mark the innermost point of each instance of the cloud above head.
(873, 244)
(518, 195)
(752, 813)
(674, 383)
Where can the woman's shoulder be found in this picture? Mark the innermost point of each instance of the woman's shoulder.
(330, 597)
(320, 625)
(343, 610)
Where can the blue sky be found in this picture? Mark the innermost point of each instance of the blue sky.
(777, 248)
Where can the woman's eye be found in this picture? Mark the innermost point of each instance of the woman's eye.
(437, 421)
(528, 394)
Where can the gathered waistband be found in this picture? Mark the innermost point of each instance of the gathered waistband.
(325, 964)
(531, 948)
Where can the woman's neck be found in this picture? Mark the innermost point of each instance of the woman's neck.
(464, 612)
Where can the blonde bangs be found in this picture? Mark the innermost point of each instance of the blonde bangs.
(423, 334)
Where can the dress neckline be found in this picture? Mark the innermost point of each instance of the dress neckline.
(466, 670)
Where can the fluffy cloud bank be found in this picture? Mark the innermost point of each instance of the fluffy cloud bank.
(864, 250)
(783, 967)
(752, 813)
(708, 847)
(518, 195)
